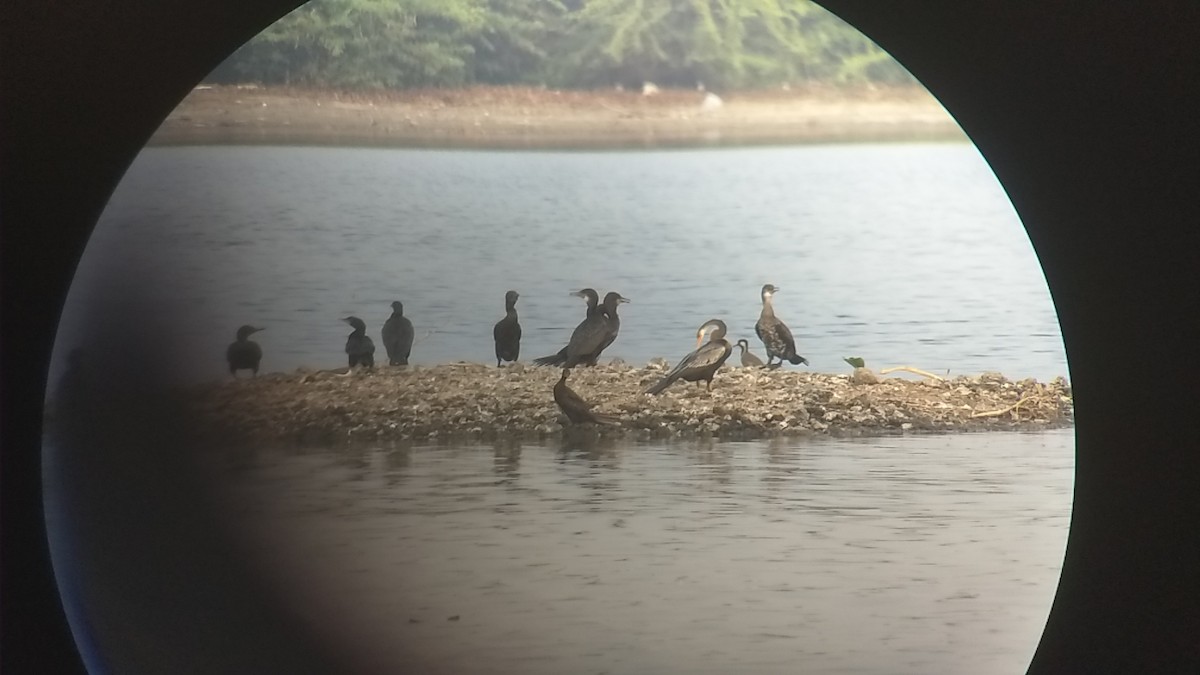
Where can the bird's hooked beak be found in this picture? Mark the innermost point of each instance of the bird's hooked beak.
(255, 330)
(622, 299)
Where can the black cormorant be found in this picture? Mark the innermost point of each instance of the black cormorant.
(507, 331)
(359, 347)
(774, 333)
(244, 353)
(749, 360)
(593, 311)
(609, 307)
(703, 363)
(575, 408)
(397, 336)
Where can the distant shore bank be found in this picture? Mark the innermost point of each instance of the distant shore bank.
(535, 118)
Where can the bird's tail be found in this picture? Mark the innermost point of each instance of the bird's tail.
(604, 418)
(553, 360)
(796, 359)
(659, 386)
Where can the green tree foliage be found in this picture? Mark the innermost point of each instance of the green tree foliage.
(511, 46)
(364, 44)
(570, 43)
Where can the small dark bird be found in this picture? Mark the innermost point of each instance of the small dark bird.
(244, 353)
(359, 347)
(397, 336)
(594, 314)
(774, 333)
(703, 363)
(749, 360)
(507, 331)
(613, 326)
(575, 408)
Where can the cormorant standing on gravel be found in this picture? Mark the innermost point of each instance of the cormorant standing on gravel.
(575, 408)
(507, 331)
(593, 299)
(359, 347)
(774, 333)
(701, 364)
(609, 307)
(397, 336)
(244, 353)
(749, 360)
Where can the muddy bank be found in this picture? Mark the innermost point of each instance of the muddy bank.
(506, 117)
(471, 401)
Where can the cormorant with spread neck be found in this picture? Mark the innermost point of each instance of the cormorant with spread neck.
(244, 353)
(774, 333)
(359, 347)
(507, 331)
(609, 307)
(749, 360)
(575, 408)
(703, 363)
(397, 336)
(594, 315)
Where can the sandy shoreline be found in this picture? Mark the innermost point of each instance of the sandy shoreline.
(505, 117)
(478, 402)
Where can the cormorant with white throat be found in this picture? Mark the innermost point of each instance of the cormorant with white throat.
(775, 335)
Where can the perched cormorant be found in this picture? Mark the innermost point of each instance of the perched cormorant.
(749, 360)
(609, 307)
(244, 353)
(575, 408)
(359, 347)
(593, 300)
(507, 331)
(397, 336)
(774, 333)
(703, 363)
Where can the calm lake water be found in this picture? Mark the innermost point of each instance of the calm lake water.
(935, 554)
(920, 554)
(903, 254)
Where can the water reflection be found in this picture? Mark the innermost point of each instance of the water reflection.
(507, 454)
(910, 555)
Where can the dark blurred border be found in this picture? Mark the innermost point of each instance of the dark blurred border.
(1087, 112)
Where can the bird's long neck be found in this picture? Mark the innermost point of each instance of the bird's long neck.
(767, 309)
(510, 308)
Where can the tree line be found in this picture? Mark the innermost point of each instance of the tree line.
(721, 44)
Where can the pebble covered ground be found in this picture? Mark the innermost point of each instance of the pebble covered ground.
(473, 401)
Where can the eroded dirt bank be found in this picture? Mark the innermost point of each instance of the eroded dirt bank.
(507, 117)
